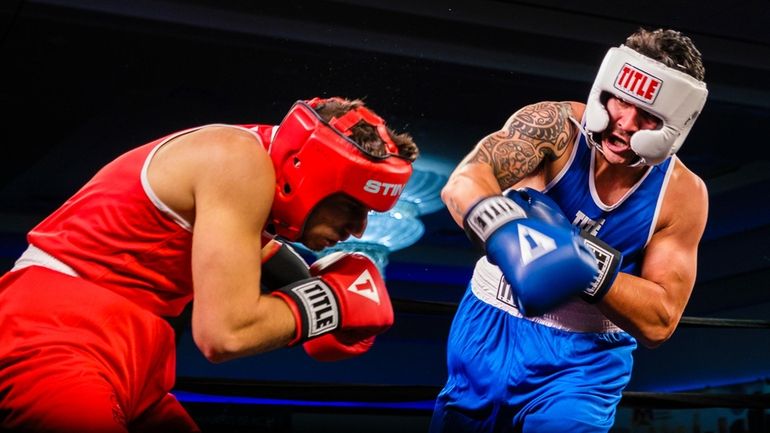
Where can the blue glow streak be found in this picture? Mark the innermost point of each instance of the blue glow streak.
(708, 383)
(193, 397)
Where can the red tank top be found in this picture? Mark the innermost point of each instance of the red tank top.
(114, 232)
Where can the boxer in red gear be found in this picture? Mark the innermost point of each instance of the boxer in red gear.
(84, 345)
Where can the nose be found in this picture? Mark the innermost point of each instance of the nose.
(630, 119)
(357, 226)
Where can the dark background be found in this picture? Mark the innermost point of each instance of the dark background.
(83, 81)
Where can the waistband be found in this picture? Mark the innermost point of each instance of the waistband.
(34, 256)
(575, 315)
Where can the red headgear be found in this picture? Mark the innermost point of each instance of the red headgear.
(314, 159)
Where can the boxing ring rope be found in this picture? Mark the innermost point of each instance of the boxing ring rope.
(358, 398)
(708, 322)
(401, 399)
(693, 400)
(441, 308)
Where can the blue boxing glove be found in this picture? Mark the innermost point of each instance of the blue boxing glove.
(608, 258)
(540, 253)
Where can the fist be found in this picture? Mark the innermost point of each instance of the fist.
(346, 296)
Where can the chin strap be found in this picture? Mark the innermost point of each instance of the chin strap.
(598, 146)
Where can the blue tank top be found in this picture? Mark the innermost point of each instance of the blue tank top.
(628, 224)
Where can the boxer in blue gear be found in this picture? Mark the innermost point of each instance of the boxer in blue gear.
(545, 344)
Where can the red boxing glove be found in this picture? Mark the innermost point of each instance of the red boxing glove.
(337, 346)
(345, 303)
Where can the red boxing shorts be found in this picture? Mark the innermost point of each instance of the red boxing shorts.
(75, 357)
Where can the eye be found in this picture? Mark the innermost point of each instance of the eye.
(349, 206)
(650, 118)
(357, 209)
(622, 103)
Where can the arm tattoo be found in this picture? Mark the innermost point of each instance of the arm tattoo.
(533, 133)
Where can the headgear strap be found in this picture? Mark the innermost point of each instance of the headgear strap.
(347, 121)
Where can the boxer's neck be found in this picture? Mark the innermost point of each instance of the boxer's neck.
(613, 181)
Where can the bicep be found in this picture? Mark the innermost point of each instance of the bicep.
(504, 158)
(672, 254)
(533, 134)
(670, 263)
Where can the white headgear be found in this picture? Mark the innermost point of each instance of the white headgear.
(673, 96)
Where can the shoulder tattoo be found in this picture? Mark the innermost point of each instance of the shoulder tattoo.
(532, 134)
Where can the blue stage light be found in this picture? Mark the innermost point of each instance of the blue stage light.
(193, 397)
(401, 226)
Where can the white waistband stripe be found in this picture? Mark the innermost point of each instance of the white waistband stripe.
(34, 256)
(575, 315)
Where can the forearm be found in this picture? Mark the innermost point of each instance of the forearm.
(247, 329)
(642, 308)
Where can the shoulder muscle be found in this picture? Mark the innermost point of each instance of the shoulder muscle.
(685, 205)
(535, 133)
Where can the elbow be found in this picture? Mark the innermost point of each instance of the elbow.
(653, 340)
(217, 347)
(449, 198)
(458, 187)
(658, 334)
(214, 355)
(447, 193)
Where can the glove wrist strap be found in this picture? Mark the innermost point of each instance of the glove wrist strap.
(489, 214)
(609, 260)
(315, 308)
(282, 266)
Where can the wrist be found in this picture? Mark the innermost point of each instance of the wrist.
(609, 261)
(488, 215)
(281, 266)
(314, 306)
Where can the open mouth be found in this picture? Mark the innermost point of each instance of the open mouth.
(616, 144)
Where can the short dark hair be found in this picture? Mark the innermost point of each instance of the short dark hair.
(669, 47)
(365, 134)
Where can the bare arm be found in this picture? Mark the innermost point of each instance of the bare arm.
(226, 179)
(500, 160)
(649, 307)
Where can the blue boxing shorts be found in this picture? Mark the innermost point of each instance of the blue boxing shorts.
(532, 375)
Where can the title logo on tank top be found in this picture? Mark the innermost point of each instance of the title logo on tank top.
(587, 224)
